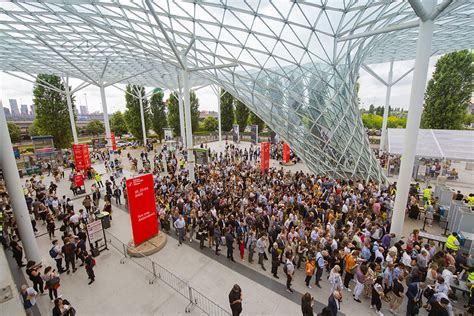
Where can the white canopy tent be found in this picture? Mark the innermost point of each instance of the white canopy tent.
(435, 143)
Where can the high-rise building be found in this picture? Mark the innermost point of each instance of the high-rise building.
(14, 107)
(24, 110)
(7, 112)
(33, 110)
(84, 110)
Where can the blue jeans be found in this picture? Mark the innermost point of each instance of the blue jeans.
(319, 273)
(181, 235)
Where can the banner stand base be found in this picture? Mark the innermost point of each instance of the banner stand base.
(149, 247)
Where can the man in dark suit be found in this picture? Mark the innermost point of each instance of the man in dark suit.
(334, 301)
(275, 260)
(415, 294)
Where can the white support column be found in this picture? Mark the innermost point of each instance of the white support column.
(15, 191)
(219, 112)
(71, 112)
(142, 115)
(189, 130)
(420, 74)
(182, 128)
(106, 116)
(387, 107)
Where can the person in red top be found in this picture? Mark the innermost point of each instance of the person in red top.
(241, 244)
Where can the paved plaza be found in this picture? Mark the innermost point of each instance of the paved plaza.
(123, 289)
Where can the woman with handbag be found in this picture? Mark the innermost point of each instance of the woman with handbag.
(63, 308)
(52, 282)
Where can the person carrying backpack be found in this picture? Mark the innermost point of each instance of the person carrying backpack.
(56, 254)
(90, 263)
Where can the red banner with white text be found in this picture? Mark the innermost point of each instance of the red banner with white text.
(81, 156)
(141, 203)
(264, 156)
(286, 152)
(78, 180)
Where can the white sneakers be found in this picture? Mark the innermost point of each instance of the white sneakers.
(379, 313)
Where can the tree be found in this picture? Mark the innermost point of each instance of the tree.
(52, 114)
(15, 132)
(95, 127)
(255, 120)
(132, 113)
(241, 115)
(449, 91)
(371, 109)
(227, 110)
(194, 101)
(211, 124)
(33, 129)
(117, 124)
(173, 113)
(158, 114)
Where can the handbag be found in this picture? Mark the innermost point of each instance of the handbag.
(53, 282)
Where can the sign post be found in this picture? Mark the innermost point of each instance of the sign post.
(254, 134)
(96, 234)
(141, 203)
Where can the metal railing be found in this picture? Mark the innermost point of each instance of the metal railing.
(158, 272)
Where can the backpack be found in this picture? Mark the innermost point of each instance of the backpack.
(93, 262)
(285, 268)
(53, 253)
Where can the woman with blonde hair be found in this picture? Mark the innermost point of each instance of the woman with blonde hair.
(432, 274)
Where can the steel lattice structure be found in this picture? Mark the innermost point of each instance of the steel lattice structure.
(298, 62)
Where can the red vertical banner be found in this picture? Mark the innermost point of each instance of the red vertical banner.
(77, 151)
(141, 201)
(81, 156)
(264, 156)
(114, 143)
(78, 180)
(286, 152)
(85, 156)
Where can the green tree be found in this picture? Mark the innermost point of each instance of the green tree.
(132, 113)
(173, 113)
(255, 120)
(241, 114)
(15, 132)
(95, 127)
(371, 109)
(449, 91)
(52, 114)
(158, 114)
(227, 110)
(372, 121)
(117, 124)
(211, 124)
(33, 129)
(194, 110)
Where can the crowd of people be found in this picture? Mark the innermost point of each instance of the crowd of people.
(289, 222)
(298, 221)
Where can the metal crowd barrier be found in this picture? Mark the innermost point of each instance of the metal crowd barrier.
(195, 298)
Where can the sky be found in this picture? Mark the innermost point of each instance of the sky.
(371, 90)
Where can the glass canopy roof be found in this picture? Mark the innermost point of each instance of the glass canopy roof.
(297, 62)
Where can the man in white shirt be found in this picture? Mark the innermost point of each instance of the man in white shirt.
(289, 270)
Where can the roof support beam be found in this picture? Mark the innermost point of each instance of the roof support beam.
(439, 9)
(67, 60)
(371, 72)
(165, 34)
(390, 28)
(104, 69)
(126, 78)
(211, 67)
(403, 76)
(44, 85)
(420, 11)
